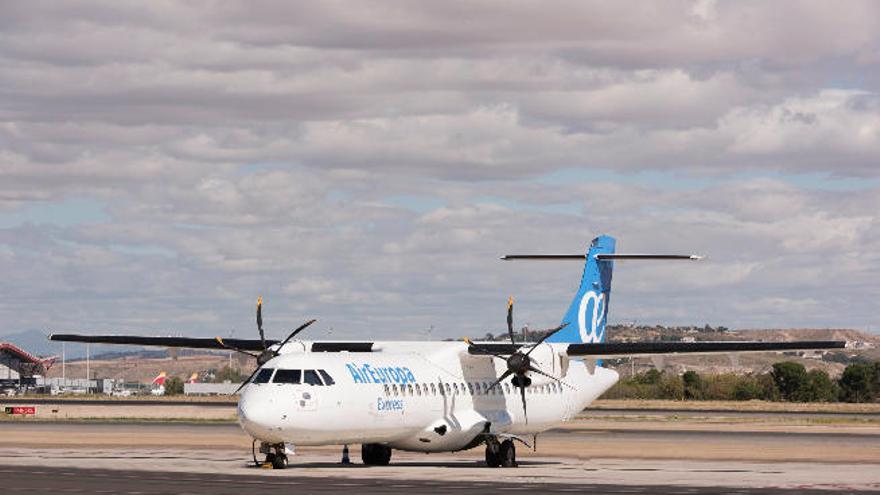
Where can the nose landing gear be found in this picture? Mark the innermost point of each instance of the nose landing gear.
(276, 455)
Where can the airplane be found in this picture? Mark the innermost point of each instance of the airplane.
(441, 396)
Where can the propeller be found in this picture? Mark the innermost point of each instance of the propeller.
(267, 353)
(519, 363)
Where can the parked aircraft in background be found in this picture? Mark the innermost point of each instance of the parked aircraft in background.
(158, 385)
(439, 396)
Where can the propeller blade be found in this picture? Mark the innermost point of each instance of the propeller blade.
(546, 336)
(249, 378)
(260, 321)
(229, 347)
(536, 370)
(510, 319)
(522, 394)
(293, 333)
(503, 376)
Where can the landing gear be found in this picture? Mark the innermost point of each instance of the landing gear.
(278, 461)
(500, 454)
(275, 455)
(375, 454)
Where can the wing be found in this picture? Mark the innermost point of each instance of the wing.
(193, 343)
(621, 349)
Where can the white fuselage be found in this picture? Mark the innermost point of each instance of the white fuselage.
(427, 397)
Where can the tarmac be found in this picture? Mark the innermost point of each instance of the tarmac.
(585, 456)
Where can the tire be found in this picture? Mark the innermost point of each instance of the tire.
(279, 462)
(374, 454)
(384, 457)
(270, 459)
(367, 454)
(507, 454)
(493, 459)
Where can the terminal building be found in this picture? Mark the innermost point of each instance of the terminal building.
(21, 371)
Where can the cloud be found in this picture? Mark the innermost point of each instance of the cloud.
(368, 165)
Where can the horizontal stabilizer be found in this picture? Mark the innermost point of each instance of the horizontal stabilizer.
(602, 257)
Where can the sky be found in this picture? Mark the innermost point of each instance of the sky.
(162, 164)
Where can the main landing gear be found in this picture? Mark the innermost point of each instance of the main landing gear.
(375, 454)
(500, 454)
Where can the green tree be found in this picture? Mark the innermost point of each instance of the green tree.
(173, 386)
(747, 388)
(857, 384)
(767, 387)
(790, 378)
(693, 386)
(650, 377)
(818, 388)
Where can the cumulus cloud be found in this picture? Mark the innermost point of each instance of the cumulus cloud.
(367, 165)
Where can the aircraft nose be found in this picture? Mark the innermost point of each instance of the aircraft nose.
(258, 415)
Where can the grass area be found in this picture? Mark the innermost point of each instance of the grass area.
(737, 406)
(721, 419)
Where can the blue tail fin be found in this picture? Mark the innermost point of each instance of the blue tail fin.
(586, 315)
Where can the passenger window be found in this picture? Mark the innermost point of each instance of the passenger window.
(311, 377)
(263, 376)
(394, 389)
(455, 389)
(287, 376)
(409, 389)
(433, 389)
(328, 380)
(418, 390)
(448, 389)
(507, 387)
(470, 388)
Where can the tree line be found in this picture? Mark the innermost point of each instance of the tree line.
(786, 381)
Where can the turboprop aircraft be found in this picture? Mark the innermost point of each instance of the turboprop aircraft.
(438, 396)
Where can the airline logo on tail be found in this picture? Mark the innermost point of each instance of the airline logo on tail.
(160, 379)
(596, 332)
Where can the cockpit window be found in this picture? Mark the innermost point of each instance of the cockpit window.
(287, 376)
(263, 375)
(311, 377)
(328, 380)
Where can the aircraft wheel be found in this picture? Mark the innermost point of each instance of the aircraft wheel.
(279, 461)
(507, 454)
(374, 454)
(493, 454)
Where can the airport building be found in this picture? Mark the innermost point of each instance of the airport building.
(20, 370)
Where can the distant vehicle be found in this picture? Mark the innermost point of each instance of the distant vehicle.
(73, 391)
(438, 396)
(121, 393)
